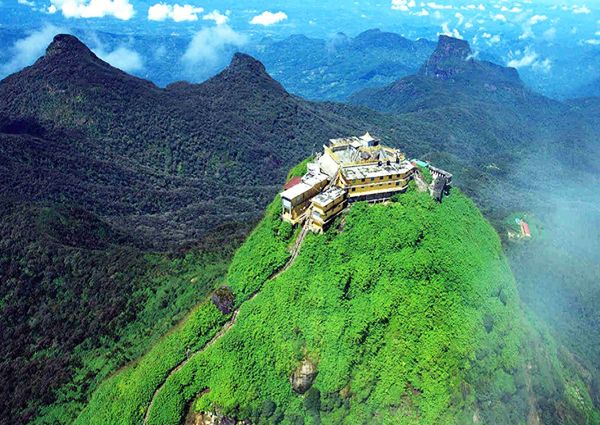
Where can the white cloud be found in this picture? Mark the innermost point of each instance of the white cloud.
(176, 12)
(473, 7)
(543, 66)
(120, 9)
(529, 58)
(526, 60)
(492, 39)
(537, 19)
(26, 50)
(268, 18)
(550, 34)
(208, 45)
(499, 17)
(403, 5)
(217, 17)
(527, 33)
(450, 32)
(122, 57)
(434, 5)
(422, 12)
(581, 10)
(592, 41)
(26, 3)
(597, 33)
(514, 9)
(460, 17)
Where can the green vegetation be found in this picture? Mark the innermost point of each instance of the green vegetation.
(78, 303)
(124, 397)
(418, 322)
(103, 171)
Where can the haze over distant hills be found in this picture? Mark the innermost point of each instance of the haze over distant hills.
(335, 68)
(111, 167)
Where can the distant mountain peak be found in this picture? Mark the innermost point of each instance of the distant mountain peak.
(453, 60)
(244, 72)
(452, 47)
(66, 44)
(448, 59)
(244, 62)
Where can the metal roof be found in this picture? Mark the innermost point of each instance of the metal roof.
(373, 170)
(330, 195)
(296, 191)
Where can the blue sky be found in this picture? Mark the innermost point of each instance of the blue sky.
(537, 37)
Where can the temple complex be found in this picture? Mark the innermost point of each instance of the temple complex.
(352, 169)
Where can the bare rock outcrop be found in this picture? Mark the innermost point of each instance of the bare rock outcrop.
(304, 376)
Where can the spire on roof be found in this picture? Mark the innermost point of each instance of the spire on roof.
(367, 137)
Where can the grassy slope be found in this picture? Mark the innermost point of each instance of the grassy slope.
(415, 322)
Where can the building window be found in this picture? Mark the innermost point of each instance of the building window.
(372, 178)
(353, 189)
(363, 180)
(397, 183)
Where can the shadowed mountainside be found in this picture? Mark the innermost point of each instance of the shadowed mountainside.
(109, 168)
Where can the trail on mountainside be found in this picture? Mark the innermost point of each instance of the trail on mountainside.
(229, 324)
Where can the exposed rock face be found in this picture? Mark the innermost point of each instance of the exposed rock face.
(210, 418)
(223, 299)
(304, 376)
(447, 59)
(453, 59)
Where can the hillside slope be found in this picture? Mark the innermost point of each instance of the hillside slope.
(100, 172)
(515, 151)
(178, 161)
(402, 313)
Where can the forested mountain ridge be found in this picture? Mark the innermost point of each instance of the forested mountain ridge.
(100, 170)
(111, 167)
(206, 149)
(404, 312)
(516, 151)
(334, 68)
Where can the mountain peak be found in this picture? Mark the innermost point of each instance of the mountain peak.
(246, 63)
(453, 60)
(452, 47)
(66, 44)
(447, 60)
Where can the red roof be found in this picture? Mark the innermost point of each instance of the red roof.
(292, 182)
(525, 228)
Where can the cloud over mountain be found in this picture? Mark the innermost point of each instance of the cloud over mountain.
(208, 46)
(26, 50)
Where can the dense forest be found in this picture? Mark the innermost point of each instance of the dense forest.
(418, 322)
(122, 205)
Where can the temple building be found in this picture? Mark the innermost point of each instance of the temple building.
(349, 169)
